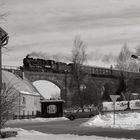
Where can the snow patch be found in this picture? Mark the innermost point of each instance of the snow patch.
(130, 121)
(35, 120)
(35, 135)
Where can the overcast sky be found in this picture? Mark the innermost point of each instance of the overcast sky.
(50, 26)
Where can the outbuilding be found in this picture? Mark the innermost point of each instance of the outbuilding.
(52, 108)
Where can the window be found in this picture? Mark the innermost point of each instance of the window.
(23, 100)
(52, 109)
(23, 112)
(35, 101)
(3, 86)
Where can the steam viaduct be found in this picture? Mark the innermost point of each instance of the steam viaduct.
(61, 80)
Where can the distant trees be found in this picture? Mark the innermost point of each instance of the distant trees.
(93, 92)
(122, 87)
(138, 50)
(134, 82)
(79, 57)
(124, 61)
(90, 95)
(86, 90)
(123, 58)
(2, 15)
(109, 88)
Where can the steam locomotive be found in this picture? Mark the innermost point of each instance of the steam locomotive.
(37, 64)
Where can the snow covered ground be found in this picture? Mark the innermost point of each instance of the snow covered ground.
(129, 121)
(36, 120)
(34, 135)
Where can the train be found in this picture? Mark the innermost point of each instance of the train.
(38, 64)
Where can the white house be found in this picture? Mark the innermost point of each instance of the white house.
(28, 102)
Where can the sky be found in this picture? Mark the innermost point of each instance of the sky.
(47, 89)
(50, 26)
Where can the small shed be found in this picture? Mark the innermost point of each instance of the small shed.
(52, 108)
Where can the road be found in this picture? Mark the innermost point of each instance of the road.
(73, 127)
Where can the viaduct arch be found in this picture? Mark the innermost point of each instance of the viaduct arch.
(62, 80)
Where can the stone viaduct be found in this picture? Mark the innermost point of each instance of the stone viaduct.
(62, 80)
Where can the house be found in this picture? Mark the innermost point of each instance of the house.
(27, 97)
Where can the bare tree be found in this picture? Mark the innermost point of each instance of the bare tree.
(4, 94)
(2, 17)
(79, 57)
(124, 61)
(3, 14)
(9, 102)
(138, 50)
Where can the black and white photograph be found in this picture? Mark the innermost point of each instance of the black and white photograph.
(70, 69)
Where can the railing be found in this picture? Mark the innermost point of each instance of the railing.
(94, 71)
(15, 70)
(10, 67)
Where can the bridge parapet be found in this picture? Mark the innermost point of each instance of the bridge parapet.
(10, 67)
(15, 70)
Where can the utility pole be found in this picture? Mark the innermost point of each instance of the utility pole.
(0, 84)
(66, 89)
(3, 41)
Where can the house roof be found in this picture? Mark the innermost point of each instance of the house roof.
(53, 100)
(21, 85)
